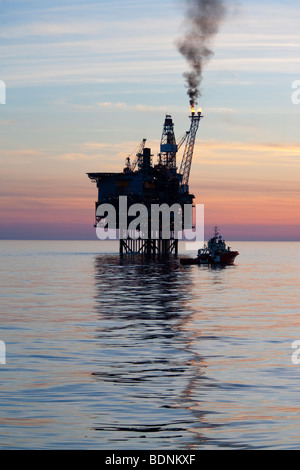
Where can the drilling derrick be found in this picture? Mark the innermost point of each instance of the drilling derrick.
(168, 146)
(143, 182)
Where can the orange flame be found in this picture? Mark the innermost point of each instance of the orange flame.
(192, 109)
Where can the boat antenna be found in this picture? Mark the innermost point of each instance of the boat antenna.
(216, 231)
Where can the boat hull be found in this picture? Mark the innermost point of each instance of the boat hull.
(227, 258)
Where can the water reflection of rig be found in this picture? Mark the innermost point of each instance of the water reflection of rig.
(147, 184)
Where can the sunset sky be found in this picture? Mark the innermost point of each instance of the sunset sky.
(88, 80)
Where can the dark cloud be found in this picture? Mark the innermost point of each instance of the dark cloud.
(203, 19)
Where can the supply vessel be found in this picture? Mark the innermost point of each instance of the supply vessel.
(215, 252)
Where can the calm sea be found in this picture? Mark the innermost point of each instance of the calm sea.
(110, 353)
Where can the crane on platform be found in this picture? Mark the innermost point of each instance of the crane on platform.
(182, 140)
(186, 162)
(139, 153)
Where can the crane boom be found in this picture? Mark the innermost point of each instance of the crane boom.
(138, 154)
(186, 163)
(182, 140)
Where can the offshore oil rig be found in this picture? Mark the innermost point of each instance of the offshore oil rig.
(146, 183)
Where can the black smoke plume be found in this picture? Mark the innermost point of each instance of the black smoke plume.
(203, 19)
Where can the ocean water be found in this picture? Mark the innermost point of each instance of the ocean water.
(110, 353)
